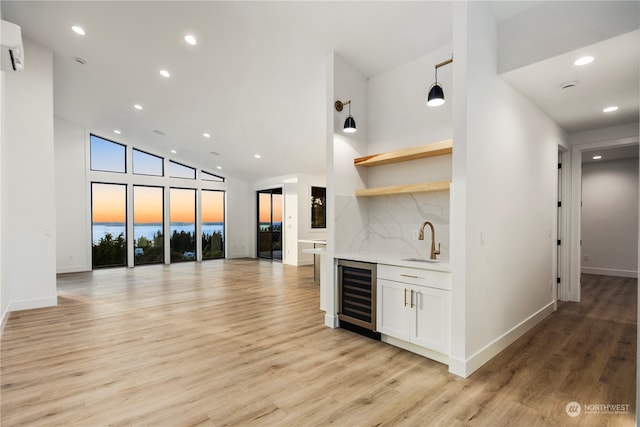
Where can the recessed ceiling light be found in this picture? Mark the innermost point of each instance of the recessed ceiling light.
(609, 109)
(206, 135)
(597, 157)
(257, 156)
(218, 167)
(80, 61)
(158, 132)
(174, 152)
(190, 39)
(78, 30)
(117, 131)
(165, 73)
(215, 153)
(137, 106)
(583, 61)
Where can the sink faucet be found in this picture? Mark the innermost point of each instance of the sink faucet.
(434, 252)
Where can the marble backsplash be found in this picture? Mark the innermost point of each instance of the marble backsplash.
(389, 224)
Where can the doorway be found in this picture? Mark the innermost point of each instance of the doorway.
(269, 225)
(572, 287)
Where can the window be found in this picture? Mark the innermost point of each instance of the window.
(206, 176)
(212, 224)
(147, 164)
(177, 170)
(109, 224)
(183, 224)
(318, 207)
(107, 155)
(148, 225)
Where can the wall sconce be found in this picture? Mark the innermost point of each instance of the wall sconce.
(436, 94)
(349, 124)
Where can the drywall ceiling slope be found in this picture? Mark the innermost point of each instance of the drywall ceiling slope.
(552, 28)
(255, 81)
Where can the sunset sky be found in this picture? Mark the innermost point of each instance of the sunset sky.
(182, 205)
(147, 204)
(265, 207)
(212, 206)
(109, 202)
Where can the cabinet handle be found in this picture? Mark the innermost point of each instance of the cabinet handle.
(405, 297)
(411, 298)
(409, 276)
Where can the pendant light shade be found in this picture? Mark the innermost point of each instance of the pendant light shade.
(436, 95)
(350, 123)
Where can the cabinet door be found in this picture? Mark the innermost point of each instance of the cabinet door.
(393, 309)
(430, 324)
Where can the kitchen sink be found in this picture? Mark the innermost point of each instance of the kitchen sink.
(432, 261)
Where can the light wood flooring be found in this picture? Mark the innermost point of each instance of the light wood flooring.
(242, 342)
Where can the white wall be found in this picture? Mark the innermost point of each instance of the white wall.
(4, 285)
(28, 205)
(73, 218)
(400, 118)
(610, 217)
(503, 200)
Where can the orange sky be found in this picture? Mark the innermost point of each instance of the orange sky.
(147, 204)
(109, 203)
(212, 206)
(265, 208)
(182, 205)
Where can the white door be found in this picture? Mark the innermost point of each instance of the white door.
(429, 323)
(393, 309)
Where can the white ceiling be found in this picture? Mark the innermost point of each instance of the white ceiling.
(612, 79)
(256, 79)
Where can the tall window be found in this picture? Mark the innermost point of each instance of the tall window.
(183, 224)
(318, 207)
(148, 225)
(107, 155)
(212, 224)
(108, 224)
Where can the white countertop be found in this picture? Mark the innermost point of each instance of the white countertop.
(393, 259)
(316, 241)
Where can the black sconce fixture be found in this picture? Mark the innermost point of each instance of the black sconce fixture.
(349, 124)
(436, 94)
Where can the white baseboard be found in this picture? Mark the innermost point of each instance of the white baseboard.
(331, 321)
(464, 368)
(609, 272)
(5, 316)
(30, 304)
(73, 269)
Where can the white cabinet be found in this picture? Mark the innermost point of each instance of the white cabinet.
(411, 311)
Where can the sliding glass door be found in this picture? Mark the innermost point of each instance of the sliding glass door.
(270, 224)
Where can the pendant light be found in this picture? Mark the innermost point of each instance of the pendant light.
(349, 123)
(436, 94)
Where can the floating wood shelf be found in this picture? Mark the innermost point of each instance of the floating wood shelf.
(426, 187)
(429, 150)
